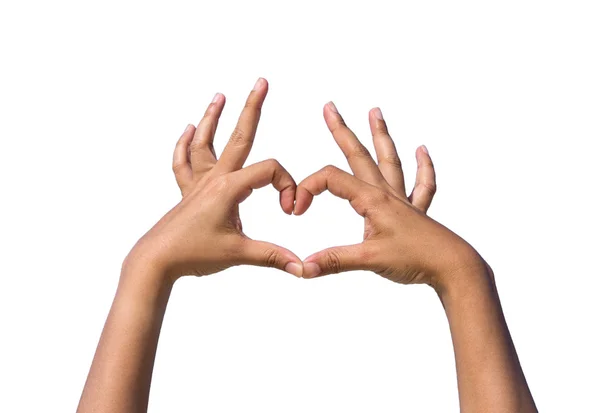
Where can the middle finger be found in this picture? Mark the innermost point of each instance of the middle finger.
(359, 158)
(238, 148)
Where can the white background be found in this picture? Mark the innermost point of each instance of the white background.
(93, 96)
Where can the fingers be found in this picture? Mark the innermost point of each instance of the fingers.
(265, 254)
(262, 174)
(202, 152)
(337, 259)
(425, 185)
(359, 158)
(387, 156)
(339, 183)
(237, 149)
(181, 163)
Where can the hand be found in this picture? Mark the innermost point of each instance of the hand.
(203, 233)
(401, 242)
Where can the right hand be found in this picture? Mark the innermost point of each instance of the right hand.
(401, 242)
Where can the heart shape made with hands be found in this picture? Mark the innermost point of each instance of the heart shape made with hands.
(205, 228)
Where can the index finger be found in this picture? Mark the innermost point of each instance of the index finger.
(262, 174)
(238, 148)
(339, 183)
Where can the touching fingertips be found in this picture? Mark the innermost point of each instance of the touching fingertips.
(293, 268)
(297, 210)
(310, 269)
(303, 201)
(287, 200)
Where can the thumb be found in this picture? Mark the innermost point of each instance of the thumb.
(266, 254)
(337, 259)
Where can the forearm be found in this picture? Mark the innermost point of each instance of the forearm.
(490, 377)
(119, 379)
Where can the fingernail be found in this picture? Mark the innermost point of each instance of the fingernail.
(294, 268)
(425, 149)
(378, 113)
(216, 98)
(187, 128)
(332, 107)
(258, 83)
(311, 269)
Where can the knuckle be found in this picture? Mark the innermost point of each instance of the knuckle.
(393, 160)
(338, 124)
(377, 197)
(381, 127)
(234, 247)
(207, 118)
(209, 113)
(252, 104)
(333, 261)
(225, 180)
(271, 258)
(196, 145)
(358, 151)
(428, 162)
(183, 189)
(367, 255)
(178, 167)
(429, 187)
(238, 137)
(221, 184)
(273, 163)
(329, 170)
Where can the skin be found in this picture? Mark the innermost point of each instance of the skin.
(403, 244)
(203, 235)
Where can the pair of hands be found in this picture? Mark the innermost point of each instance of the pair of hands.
(203, 233)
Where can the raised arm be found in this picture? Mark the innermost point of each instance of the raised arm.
(403, 244)
(201, 235)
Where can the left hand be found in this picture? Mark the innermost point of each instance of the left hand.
(203, 233)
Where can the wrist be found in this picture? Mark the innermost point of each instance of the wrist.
(144, 277)
(144, 261)
(469, 275)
